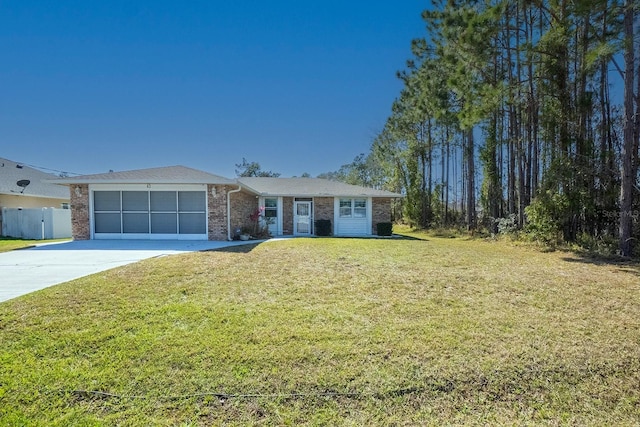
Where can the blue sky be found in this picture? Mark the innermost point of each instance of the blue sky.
(298, 86)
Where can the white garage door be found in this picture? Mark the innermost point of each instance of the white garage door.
(352, 217)
(150, 214)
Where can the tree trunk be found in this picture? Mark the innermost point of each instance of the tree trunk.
(628, 160)
(471, 200)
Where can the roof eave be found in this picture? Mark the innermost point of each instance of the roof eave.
(149, 181)
(42, 196)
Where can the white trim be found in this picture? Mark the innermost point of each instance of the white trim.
(147, 187)
(278, 224)
(280, 216)
(370, 215)
(295, 215)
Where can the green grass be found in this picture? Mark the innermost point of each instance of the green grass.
(416, 331)
(10, 244)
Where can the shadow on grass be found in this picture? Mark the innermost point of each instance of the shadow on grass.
(392, 238)
(246, 248)
(240, 249)
(625, 264)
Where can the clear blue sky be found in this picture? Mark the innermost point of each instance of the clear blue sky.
(298, 86)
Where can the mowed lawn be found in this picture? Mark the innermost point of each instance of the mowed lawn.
(11, 244)
(422, 331)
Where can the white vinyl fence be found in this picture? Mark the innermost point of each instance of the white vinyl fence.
(36, 223)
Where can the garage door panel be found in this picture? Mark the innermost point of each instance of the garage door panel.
(135, 201)
(154, 214)
(164, 223)
(107, 222)
(135, 222)
(192, 201)
(193, 223)
(163, 201)
(106, 201)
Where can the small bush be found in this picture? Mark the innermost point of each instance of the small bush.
(508, 225)
(600, 245)
(384, 228)
(323, 227)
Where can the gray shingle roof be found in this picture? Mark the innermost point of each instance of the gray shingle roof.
(11, 172)
(162, 175)
(310, 187)
(300, 187)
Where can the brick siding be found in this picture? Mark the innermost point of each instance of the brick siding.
(380, 212)
(217, 206)
(79, 205)
(323, 209)
(243, 204)
(287, 216)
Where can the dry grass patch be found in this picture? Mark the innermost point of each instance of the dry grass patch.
(331, 331)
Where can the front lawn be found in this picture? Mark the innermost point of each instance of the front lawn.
(9, 243)
(330, 332)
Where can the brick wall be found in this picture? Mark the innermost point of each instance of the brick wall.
(217, 205)
(287, 216)
(79, 205)
(323, 209)
(243, 204)
(380, 212)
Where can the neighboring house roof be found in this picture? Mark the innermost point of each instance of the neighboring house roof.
(163, 175)
(39, 186)
(310, 187)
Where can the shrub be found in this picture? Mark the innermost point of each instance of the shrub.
(508, 225)
(384, 228)
(544, 218)
(323, 227)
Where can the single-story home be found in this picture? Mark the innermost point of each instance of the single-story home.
(178, 202)
(24, 187)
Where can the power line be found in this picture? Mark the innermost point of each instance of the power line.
(52, 170)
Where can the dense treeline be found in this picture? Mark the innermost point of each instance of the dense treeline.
(518, 114)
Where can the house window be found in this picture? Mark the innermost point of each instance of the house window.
(359, 208)
(345, 208)
(353, 208)
(270, 208)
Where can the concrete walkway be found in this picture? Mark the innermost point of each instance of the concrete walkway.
(28, 270)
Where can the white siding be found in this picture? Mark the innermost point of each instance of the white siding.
(352, 226)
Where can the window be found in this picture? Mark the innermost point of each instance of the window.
(353, 208)
(360, 208)
(270, 208)
(345, 208)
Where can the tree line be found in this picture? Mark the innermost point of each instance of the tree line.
(517, 112)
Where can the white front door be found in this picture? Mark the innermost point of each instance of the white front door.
(302, 218)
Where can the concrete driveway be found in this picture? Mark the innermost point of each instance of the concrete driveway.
(28, 270)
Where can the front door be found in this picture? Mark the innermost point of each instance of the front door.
(302, 219)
